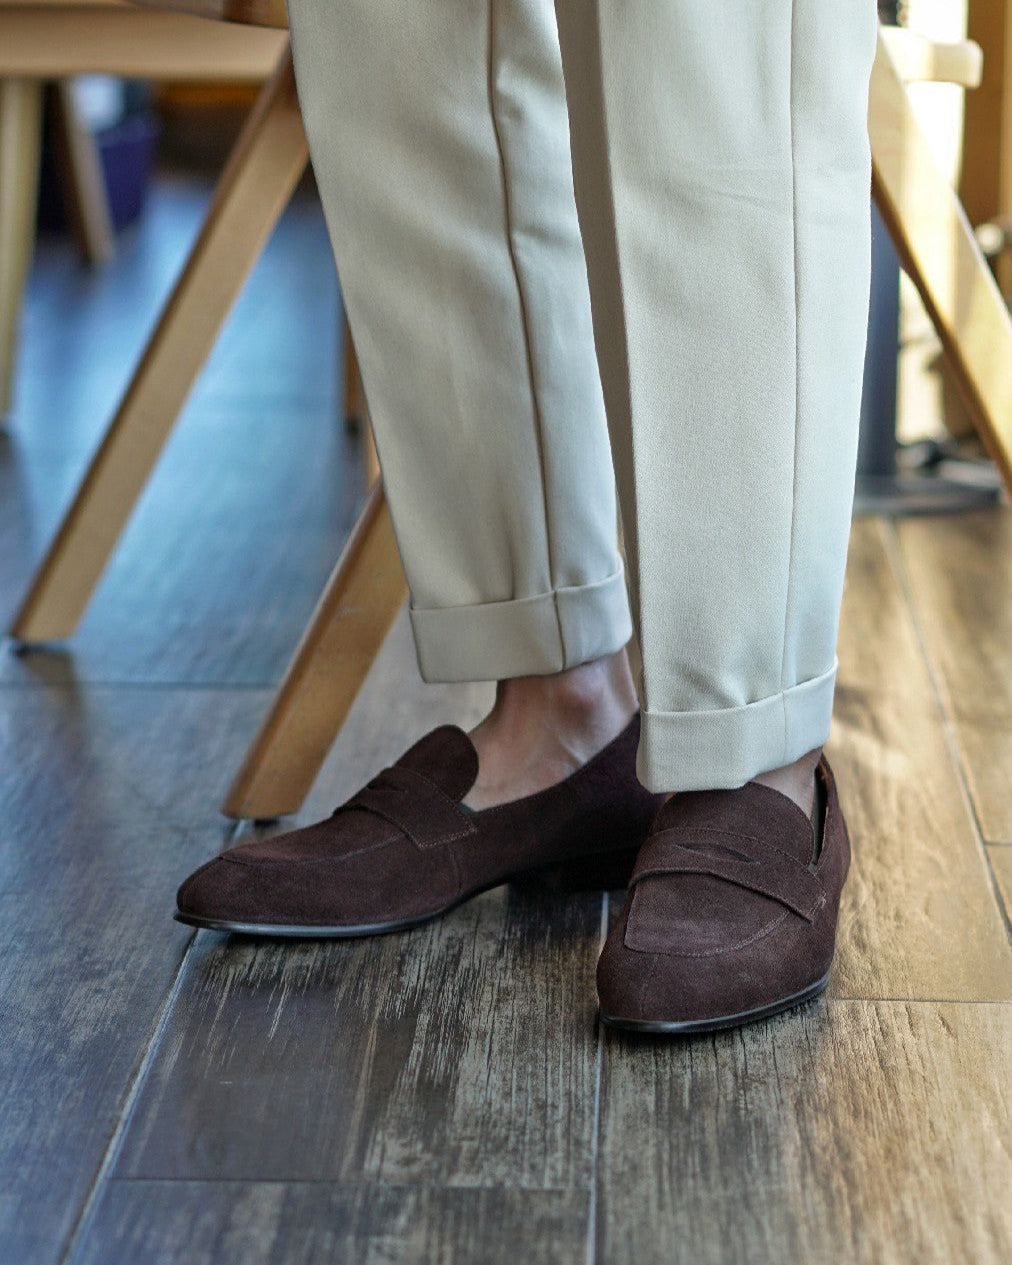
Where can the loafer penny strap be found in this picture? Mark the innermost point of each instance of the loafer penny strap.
(414, 805)
(739, 859)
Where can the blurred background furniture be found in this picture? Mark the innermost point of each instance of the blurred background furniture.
(47, 41)
(367, 588)
(914, 455)
(933, 237)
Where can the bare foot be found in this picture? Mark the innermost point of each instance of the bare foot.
(543, 728)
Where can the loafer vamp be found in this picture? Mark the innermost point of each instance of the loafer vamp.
(342, 886)
(698, 948)
(696, 916)
(340, 837)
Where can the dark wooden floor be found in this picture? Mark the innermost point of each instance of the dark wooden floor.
(444, 1095)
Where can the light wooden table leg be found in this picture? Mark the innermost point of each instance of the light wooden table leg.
(20, 138)
(351, 620)
(261, 173)
(937, 245)
(83, 179)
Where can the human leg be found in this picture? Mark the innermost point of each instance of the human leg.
(722, 177)
(440, 145)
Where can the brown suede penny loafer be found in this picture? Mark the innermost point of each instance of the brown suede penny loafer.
(403, 850)
(731, 911)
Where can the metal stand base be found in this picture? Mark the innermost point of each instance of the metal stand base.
(931, 478)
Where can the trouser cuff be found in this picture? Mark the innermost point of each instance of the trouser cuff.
(531, 636)
(701, 751)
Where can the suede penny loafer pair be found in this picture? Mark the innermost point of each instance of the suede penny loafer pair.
(404, 849)
(733, 896)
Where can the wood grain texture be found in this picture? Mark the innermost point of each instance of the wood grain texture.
(96, 834)
(244, 1223)
(918, 917)
(394, 708)
(234, 537)
(55, 40)
(919, 59)
(273, 361)
(985, 180)
(257, 12)
(216, 574)
(459, 1054)
(960, 575)
(796, 1140)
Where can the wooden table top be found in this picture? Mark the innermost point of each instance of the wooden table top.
(250, 12)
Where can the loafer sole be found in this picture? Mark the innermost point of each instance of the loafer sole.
(286, 931)
(687, 1027)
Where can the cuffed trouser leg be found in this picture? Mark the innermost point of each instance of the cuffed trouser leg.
(722, 176)
(440, 143)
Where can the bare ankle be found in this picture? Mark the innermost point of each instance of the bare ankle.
(575, 694)
(796, 781)
(541, 729)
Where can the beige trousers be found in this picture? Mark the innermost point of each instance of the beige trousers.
(721, 170)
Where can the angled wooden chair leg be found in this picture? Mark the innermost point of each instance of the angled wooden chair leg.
(254, 189)
(937, 245)
(365, 591)
(20, 136)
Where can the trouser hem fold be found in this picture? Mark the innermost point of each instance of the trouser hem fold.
(712, 750)
(530, 636)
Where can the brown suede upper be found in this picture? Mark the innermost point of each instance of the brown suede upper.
(402, 849)
(728, 913)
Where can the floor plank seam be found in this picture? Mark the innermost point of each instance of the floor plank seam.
(996, 888)
(595, 1132)
(894, 553)
(88, 1209)
(914, 1001)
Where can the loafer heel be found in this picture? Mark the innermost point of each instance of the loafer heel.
(605, 873)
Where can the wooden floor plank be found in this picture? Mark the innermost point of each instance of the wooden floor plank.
(112, 805)
(918, 917)
(192, 1223)
(960, 574)
(243, 518)
(1001, 863)
(458, 1054)
(851, 1131)
(216, 575)
(94, 327)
